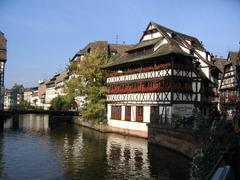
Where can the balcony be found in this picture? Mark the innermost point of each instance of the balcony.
(151, 88)
(230, 99)
(150, 68)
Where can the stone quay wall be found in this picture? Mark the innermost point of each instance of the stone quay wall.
(180, 140)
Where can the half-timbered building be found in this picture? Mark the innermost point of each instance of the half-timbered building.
(230, 84)
(160, 79)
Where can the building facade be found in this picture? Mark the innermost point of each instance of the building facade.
(163, 77)
(3, 59)
(13, 97)
(8, 99)
(42, 92)
(27, 95)
(230, 85)
(59, 83)
(50, 92)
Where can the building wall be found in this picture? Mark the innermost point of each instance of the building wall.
(50, 94)
(41, 89)
(27, 96)
(132, 124)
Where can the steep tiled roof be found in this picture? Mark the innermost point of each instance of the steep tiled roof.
(174, 43)
(166, 49)
(102, 47)
(146, 43)
(62, 76)
(180, 36)
(234, 57)
(220, 62)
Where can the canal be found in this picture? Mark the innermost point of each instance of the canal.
(33, 148)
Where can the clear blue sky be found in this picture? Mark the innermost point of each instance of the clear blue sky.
(43, 34)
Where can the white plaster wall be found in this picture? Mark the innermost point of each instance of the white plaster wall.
(108, 112)
(50, 94)
(186, 50)
(128, 125)
(202, 53)
(123, 113)
(206, 71)
(27, 96)
(151, 36)
(189, 42)
(164, 41)
(150, 27)
(146, 114)
(133, 113)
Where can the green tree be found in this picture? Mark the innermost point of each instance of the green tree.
(61, 103)
(89, 80)
(25, 105)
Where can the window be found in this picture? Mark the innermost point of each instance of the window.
(139, 114)
(116, 112)
(128, 113)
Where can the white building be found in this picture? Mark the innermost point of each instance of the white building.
(27, 95)
(50, 92)
(160, 79)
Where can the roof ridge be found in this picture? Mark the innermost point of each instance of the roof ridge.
(161, 26)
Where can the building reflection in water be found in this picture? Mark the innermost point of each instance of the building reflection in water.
(28, 122)
(81, 150)
(34, 122)
(8, 123)
(129, 154)
(88, 154)
(82, 153)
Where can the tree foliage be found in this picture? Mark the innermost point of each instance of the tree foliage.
(89, 80)
(25, 105)
(221, 139)
(61, 103)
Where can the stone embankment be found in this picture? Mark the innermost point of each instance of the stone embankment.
(107, 129)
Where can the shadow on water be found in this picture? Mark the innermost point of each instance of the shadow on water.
(55, 149)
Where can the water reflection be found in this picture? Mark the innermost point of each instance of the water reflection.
(33, 122)
(72, 152)
(28, 122)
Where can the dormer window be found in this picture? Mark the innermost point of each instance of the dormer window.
(193, 43)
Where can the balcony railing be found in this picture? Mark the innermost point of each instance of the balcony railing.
(150, 68)
(229, 99)
(153, 88)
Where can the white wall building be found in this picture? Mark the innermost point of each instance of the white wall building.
(160, 79)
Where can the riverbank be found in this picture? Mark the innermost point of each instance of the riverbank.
(107, 129)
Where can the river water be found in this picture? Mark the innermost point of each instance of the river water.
(33, 148)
